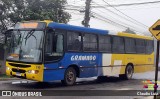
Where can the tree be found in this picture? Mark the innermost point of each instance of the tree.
(128, 30)
(13, 11)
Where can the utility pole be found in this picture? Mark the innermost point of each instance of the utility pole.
(86, 20)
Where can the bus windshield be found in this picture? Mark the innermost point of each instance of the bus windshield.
(26, 46)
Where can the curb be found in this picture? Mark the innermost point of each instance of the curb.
(6, 79)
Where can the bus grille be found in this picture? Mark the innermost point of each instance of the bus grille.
(19, 65)
(18, 70)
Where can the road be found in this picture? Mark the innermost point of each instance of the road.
(111, 83)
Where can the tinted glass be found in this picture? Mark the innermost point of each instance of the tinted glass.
(140, 46)
(118, 45)
(130, 45)
(74, 42)
(149, 46)
(105, 43)
(89, 42)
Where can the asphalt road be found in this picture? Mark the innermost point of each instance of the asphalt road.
(111, 83)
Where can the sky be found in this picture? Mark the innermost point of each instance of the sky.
(146, 14)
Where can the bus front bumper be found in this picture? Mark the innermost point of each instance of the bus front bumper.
(31, 73)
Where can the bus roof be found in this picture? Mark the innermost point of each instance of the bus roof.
(134, 35)
(76, 28)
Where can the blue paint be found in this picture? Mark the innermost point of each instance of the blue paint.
(82, 60)
(100, 71)
(51, 75)
(76, 28)
(86, 62)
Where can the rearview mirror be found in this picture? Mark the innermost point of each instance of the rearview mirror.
(7, 35)
(2, 39)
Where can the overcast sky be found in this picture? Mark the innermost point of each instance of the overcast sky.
(146, 14)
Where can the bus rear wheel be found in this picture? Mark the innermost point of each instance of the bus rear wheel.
(69, 77)
(128, 73)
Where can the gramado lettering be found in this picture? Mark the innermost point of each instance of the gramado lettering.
(84, 57)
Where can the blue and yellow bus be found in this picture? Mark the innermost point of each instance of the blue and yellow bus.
(45, 51)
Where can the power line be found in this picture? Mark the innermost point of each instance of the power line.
(127, 25)
(107, 20)
(119, 15)
(113, 22)
(125, 14)
(131, 4)
(120, 5)
(154, 7)
(76, 19)
(72, 9)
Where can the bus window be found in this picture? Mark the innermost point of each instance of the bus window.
(59, 44)
(89, 42)
(54, 46)
(140, 46)
(104, 43)
(74, 42)
(130, 45)
(118, 45)
(149, 46)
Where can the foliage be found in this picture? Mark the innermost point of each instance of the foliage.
(128, 30)
(13, 11)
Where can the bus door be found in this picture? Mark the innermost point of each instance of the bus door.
(54, 52)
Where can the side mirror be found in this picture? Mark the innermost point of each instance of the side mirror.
(4, 37)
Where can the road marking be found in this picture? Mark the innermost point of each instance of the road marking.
(22, 82)
(17, 82)
(125, 89)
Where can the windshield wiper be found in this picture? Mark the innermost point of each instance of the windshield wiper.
(30, 33)
(20, 36)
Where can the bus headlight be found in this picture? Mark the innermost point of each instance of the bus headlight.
(7, 68)
(33, 71)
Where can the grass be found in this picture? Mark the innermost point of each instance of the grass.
(4, 76)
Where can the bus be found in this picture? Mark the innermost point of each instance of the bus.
(45, 51)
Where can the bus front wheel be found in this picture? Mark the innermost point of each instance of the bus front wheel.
(128, 73)
(69, 77)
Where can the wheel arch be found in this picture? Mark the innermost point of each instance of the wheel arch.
(131, 65)
(76, 69)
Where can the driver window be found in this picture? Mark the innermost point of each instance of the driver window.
(54, 46)
(49, 38)
(59, 43)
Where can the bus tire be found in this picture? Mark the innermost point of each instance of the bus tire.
(128, 73)
(69, 77)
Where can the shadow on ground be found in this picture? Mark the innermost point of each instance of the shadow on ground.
(56, 85)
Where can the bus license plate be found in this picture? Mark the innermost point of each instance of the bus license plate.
(18, 74)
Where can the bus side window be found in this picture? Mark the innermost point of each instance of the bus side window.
(90, 42)
(74, 42)
(118, 45)
(149, 46)
(140, 46)
(130, 45)
(58, 43)
(49, 45)
(104, 43)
